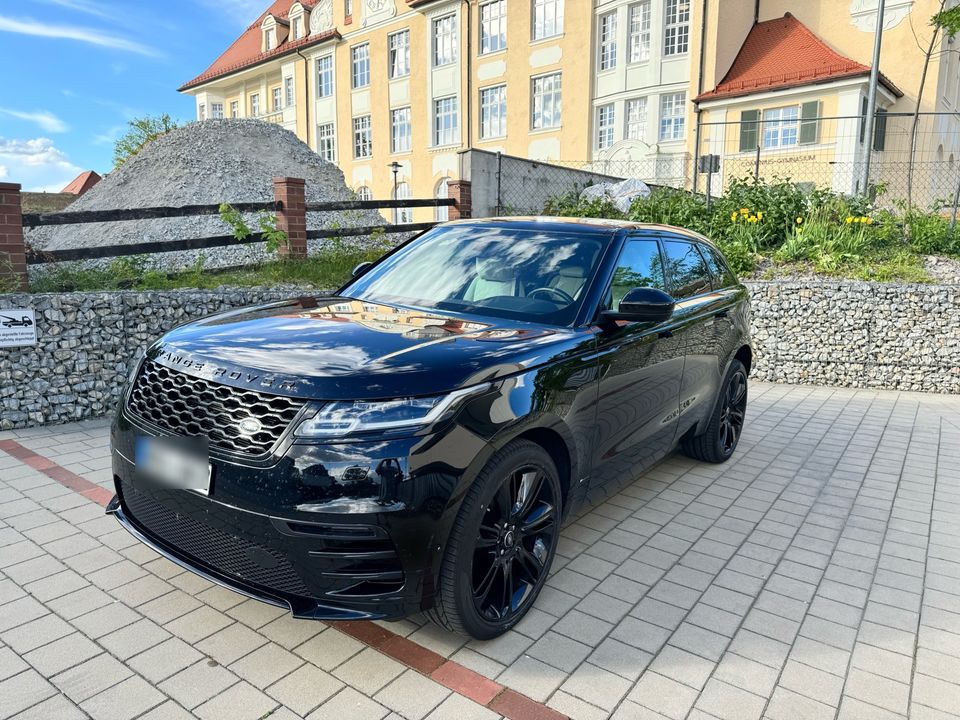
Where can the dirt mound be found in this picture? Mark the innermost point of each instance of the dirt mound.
(204, 163)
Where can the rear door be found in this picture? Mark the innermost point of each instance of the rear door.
(641, 366)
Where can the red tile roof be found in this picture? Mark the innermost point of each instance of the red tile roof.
(82, 182)
(784, 53)
(245, 50)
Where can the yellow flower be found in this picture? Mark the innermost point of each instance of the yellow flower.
(733, 217)
(753, 218)
(849, 220)
(759, 216)
(869, 221)
(744, 211)
(799, 221)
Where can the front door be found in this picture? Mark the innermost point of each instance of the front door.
(641, 366)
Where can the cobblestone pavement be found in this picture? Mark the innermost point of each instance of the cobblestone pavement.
(816, 575)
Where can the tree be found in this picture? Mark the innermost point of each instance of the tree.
(140, 132)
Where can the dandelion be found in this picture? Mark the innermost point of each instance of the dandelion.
(869, 221)
(799, 221)
(733, 217)
(849, 219)
(759, 216)
(744, 211)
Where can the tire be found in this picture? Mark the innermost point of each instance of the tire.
(489, 533)
(718, 443)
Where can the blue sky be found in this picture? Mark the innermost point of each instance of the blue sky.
(77, 70)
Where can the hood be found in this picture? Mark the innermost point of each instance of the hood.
(341, 348)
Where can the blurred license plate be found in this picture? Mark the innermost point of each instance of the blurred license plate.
(178, 463)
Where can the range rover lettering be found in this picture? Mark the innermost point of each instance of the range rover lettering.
(415, 442)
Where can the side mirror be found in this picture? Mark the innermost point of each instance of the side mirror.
(643, 305)
(361, 269)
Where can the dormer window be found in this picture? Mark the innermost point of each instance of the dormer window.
(298, 21)
(269, 39)
(297, 27)
(274, 33)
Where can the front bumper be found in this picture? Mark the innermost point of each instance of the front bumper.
(352, 531)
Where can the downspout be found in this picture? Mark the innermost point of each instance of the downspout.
(469, 68)
(696, 106)
(306, 80)
(756, 12)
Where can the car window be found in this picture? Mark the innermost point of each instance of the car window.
(639, 265)
(722, 277)
(688, 272)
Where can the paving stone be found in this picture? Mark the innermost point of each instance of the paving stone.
(597, 686)
(412, 695)
(57, 707)
(35, 633)
(664, 695)
(133, 639)
(91, 677)
(730, 702)
(198, 683)
(348, 704)
(23, 691)
(532, 677)
(329, 649)
(304, 689)
(239, 702)
(231, 643)
(61, 654)
(123, 701)
(164, 660)
(560, 651)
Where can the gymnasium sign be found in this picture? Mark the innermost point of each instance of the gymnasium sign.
(18, 328)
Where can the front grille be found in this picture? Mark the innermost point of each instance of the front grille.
(216, 549)
(194, 407)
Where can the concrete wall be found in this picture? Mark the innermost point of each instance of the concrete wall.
(525, 185)
(844, 334)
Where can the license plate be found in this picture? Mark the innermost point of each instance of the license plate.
(177, 463)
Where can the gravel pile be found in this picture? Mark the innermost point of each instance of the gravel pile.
(205, 163)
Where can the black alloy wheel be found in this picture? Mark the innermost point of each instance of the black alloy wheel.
(502, 544)
(722, 434)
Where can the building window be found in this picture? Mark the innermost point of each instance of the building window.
(326, 142)
(400, 132)
(443, 192)
(297, 28)
(288, 96)
(780, 127)
(325, 76)
(673, 116)
(676, 38)
(202, 111)
(234, 108)
(547, 18)
(348, 8)
(364, 193)
(493, 26)
(608, 41)
(399, 44)
(445, 121)
(361, 65)
(640, 32)
(268, 40)
(401, 216)
(255, 104)
(493, 112)
(605, 121)
(546, 101)
(216, 111)
(362, 144)
(277, 99)
(445, 40)
(637, 119)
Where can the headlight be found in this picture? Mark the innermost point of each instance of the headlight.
(345, 418)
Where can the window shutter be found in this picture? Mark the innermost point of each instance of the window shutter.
(810, 123)
(749, 130)
(880, 131)
(863, 119)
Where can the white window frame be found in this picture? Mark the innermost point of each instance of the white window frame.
(324, 75)
(493, 26)
(362, 137)
(446, 121)
(398, 54)
(442, 193)
(296, 27)
(636, 116)
(234, 108)
(444, 40)
(348, 8)
(276, 99)
(364, 193)
(401, 130)
(780, 127)
(640, 32)
(202, 111)
(269, 39)
(547, 20)
(402, 216)
(327, 142)
(216, 111)
(360, 66)
(255, 104)
(673, 116)
(289, 92)
(542, 97)
(607, 41)
(493, 112)
(606, 123)
(676, 32)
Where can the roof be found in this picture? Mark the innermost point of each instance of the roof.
(245, 50)
(82, 182)
(783, 53)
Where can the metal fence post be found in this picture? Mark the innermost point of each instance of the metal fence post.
(499, 171)
(13, 253)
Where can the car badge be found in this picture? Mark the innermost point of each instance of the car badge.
(249, 426)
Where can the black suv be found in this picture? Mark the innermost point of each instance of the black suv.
(414, 442)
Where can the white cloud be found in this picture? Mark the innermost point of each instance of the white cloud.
(83, 6)
(47, 121)
(240, 12)
(74, 32)
(37, 164)
(3, 171)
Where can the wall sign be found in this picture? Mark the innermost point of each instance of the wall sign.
(18, 327)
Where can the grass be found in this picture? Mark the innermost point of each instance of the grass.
(325, 270)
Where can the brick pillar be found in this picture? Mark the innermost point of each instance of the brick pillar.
(13, 253)
(459, 190)
(292, 218)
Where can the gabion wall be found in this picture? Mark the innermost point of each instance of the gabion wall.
(902, 337)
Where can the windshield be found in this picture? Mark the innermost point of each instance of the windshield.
(533, 275)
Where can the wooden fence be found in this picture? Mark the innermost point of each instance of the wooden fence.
(289, 204)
